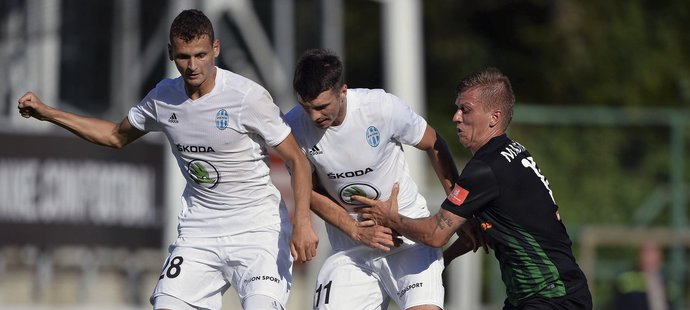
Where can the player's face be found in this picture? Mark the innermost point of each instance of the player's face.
(195, 60)
(328, 109)
(473, 122)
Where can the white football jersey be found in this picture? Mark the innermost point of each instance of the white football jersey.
(219, 143)
(364, 154)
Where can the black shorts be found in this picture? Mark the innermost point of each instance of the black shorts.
(578, 300)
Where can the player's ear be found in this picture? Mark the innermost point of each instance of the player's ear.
(170, 52)
(495, 117)
(216, 48)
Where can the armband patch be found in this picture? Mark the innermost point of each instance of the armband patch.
(458, 195)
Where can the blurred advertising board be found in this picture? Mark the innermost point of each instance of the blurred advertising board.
(60, 190)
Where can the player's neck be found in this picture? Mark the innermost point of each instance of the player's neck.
(196, 92)
(490, 135)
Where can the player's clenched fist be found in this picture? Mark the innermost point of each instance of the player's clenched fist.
(31, 106)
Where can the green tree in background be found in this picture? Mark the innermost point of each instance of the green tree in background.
(614, 53)
(585, 53)
(603, 52)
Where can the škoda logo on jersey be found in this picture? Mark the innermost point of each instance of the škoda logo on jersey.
(203, 173)
(358, 189)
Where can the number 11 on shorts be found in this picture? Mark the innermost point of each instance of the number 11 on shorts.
(326, 291)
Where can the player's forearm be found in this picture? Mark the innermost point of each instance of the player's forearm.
(332, 213)
(442, 162)
(301, 186)
(94, 130)
(422, 230)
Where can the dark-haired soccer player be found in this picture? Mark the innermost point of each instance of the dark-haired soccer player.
(234, 227)
(353, 138)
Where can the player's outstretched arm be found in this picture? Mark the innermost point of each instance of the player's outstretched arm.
(434, 231)
(91, 129)
(374, 236)
(440, 157)
(304, 239)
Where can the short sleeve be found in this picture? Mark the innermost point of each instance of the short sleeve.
(474, 191)
(408, 127)
(262, 116)
(143, 116)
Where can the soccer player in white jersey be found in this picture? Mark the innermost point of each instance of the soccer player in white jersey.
(353, 139)
(234, 227)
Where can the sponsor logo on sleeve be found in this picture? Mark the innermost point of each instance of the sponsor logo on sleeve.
(458, 195)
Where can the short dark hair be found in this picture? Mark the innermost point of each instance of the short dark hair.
(496, 91)
(317, 70)
(190, 25)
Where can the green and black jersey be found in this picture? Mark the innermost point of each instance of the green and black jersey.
(504, 190)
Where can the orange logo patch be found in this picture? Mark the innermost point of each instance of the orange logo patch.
(458, 195)
(486, 225)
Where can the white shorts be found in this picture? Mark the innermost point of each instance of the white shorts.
(199, 270)
(363, 278)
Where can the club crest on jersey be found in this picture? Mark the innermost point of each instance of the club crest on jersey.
(373, 136)
(458, 195)
(359, 189)
(222, 119)
(203, 173)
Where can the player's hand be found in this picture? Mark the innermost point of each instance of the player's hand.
(471, 232)
(304, 241)
(30, 105)
(470, 238)
(376, 236)
(381, 212)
